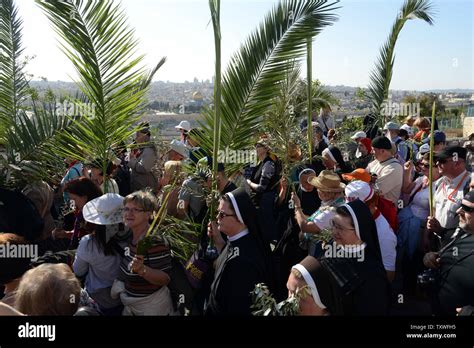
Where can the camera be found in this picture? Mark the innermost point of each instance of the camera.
(428, 279)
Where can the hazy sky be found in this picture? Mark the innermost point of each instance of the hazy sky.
(427, 57)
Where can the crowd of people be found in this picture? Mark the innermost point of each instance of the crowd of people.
(354, 225)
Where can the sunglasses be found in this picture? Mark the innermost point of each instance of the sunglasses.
(467, 209)
(221, 214)
(424, 165)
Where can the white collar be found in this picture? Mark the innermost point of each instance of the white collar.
(239, 235)
(456, 180)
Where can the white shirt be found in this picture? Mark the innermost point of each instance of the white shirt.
(448, 198)
(387, 242)
(389, 178)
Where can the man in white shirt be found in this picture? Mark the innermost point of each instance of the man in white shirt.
(449, 193)
(388, 170)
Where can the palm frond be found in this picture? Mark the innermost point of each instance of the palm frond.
(252, 78)
(31, 145)
(13, 83)
(280, 122)
(381, 76)
(101, 46)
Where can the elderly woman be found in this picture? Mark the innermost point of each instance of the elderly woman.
(99, 254)
(244, 259)
(331, 192)
(80, 191)
(143, 279)
(264, 185)
(49, 289)
(348, 278)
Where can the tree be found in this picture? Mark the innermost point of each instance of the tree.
(381, 76)
(252, 78)
(99, 43)
(28, 139)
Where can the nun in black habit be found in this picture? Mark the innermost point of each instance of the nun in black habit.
(348, 274)
(244, 259)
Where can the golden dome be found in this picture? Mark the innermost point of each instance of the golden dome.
(197, 96)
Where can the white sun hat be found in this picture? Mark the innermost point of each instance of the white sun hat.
(184, 125)
(104, 210)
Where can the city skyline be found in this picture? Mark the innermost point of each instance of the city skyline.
(427, 57)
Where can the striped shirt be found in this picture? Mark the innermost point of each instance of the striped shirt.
(157, 257)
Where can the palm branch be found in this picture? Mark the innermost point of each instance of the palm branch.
(27, 137)
(101, 46)
(381, 76)
(13, 83)
(252, 78)
(280, 122)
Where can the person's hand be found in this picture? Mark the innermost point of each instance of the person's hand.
(433, 225)
(284, 183)
(249, 182)
(214, 233)
(296, 200)
(408, 167)
(431, 260)
(58, 233)
(137, 265)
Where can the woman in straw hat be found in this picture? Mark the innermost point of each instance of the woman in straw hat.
(331, 192)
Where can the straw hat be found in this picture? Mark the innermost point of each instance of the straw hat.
(328, 181)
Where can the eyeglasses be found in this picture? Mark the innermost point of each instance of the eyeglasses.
(221, 214)
(466, 208)
(133, 210)
(339, 227)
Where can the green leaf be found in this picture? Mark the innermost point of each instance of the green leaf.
(381, 76)
(251, 80)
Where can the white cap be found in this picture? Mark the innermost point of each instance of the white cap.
(425, 148)
(179, 147)
(358, 190)
(184, 125)
(408, 129)
(391, 126)
(359, 134)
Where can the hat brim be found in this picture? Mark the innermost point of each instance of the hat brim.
(91, 213)
(316, 182)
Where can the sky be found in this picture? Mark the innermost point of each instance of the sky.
(427, 57)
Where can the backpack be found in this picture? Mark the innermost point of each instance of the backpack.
(409, 150)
